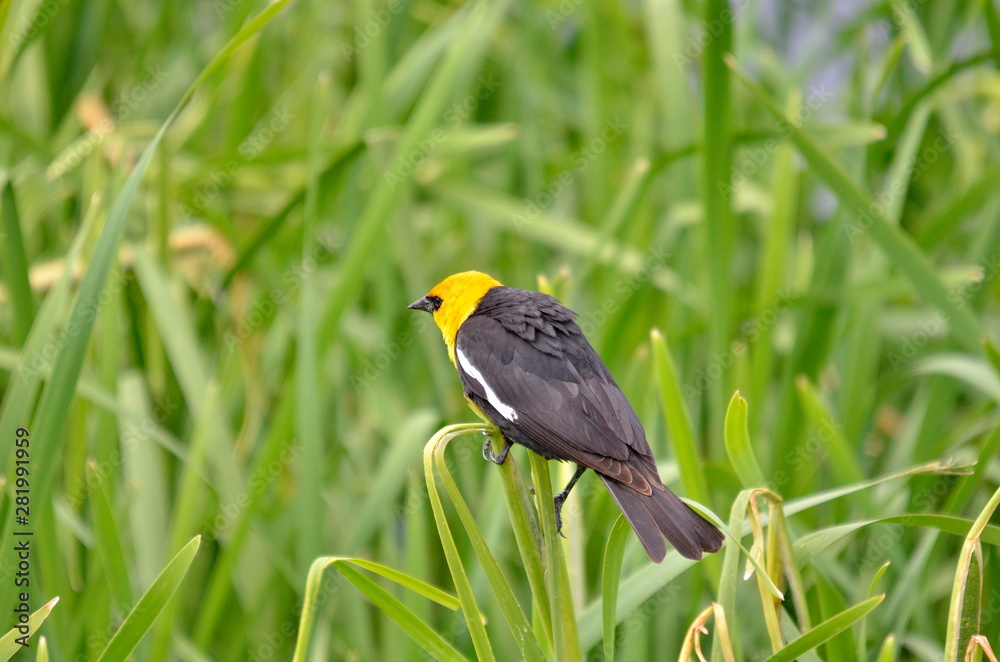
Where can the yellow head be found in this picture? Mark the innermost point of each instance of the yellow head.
(453, 300)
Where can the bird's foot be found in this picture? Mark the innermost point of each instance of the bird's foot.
(559, 500)
(495, 458)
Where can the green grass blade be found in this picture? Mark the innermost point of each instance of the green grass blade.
(56, 398)
(678, 420)
(918, 47)
(430, 592)
(958, 526)
(939, 226)
(481, 642)
(806, 547)
(730, 578)
(770, 295)
(967, 486)
(842, 458)
(978, 373)
(643, 583)
(887, 653)
(963, 612)
(417, 629)
(614, 553)
(310, 605)
(144, 464)
(898, 246)
(32, 362)
(141, 618)
(624, 206)
(831, 602)
(738, 447)
(463, 55)
(308, 408)
(9, 644)
(801, 504)
(108, 540)
(524, 518)
(51, 416)
(176, 329)
(565, 637)
(332, 173)
(632, 592)
(15, 268)
(993, 27)
(565, 234)
(403, 451)
(719, 240)
(825, 631)
(420, 632)
(276, 447)
(518, 623)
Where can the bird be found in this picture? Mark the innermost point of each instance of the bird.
(526, 367)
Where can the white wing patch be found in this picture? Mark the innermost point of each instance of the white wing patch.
(505, 410)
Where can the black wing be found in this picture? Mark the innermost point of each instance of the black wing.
(524, 361)
(537, 376)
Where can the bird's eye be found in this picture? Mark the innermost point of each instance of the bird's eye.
(435, 300)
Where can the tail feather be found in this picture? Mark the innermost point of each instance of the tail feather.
(664, 514)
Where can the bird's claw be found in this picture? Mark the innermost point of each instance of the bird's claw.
(558, 501)
(495, 458)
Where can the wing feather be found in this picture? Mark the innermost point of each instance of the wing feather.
(566, 401)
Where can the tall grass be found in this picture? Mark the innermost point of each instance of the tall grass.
(214, 214)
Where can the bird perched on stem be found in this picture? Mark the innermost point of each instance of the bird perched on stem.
(526, 366)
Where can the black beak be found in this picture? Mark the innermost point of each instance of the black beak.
(424, 303)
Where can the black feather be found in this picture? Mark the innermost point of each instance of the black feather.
(536, 361)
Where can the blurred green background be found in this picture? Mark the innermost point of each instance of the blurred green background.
(215, 213)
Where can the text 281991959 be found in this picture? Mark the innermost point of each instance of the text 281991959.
(22, 513)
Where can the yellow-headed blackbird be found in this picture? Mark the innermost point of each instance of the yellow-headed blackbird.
(526, 366)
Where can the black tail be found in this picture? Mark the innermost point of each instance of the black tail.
(664, 514)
